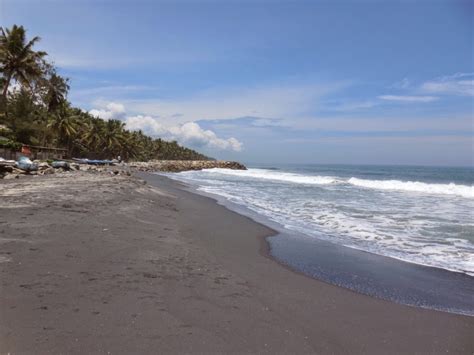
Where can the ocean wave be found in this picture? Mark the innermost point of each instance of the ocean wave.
(394, 185)
(276, 176)
(363, 230)
(346, 211)
(415, 186)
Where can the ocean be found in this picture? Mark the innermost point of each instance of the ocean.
(418, 215)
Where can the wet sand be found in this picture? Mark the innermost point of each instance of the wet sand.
(105, 264)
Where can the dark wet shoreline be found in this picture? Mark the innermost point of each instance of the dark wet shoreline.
(363, 272)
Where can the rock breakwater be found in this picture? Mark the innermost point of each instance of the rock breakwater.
(9, 170)
(185, 165)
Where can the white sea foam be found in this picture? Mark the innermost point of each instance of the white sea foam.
(394, 185)
(415, 186)
(431, 228)
(376, 233)
(276, 176)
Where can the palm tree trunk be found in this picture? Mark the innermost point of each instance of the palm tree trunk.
(7, 84)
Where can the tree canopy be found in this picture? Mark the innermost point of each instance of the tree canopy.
(34, 110)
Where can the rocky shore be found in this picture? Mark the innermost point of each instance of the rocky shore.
(184, 165)
(8, 170)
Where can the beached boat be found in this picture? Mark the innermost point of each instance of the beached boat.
(24, 163)
(60, 164)
(93, 161)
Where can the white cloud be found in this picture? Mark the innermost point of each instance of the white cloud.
(147, 124)
(406, 98)
(189, 133)
(457, 84)
(110, 110)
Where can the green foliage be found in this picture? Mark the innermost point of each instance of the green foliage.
(18, 59)
(38, 113)
(7, 143)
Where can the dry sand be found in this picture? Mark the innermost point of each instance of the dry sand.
(106, 264)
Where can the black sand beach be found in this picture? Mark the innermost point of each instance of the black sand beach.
(367, 273)
(92, 263)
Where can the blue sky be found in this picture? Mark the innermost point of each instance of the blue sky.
(272, 81)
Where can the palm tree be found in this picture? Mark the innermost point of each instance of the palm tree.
(64, 124)
(17, 58)
(23, 114)
(91, 135)
(57, 89)
(113, 136)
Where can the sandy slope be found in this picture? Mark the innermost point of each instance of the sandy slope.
(105, 264)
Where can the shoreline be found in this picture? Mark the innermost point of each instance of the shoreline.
(101, 263)
(375, 279)
(272, 233)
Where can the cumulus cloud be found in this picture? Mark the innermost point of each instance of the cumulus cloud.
(189, 133)
(457, 84)
(406, 98)
(109, 110)
(193, 134)
(147, 124)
